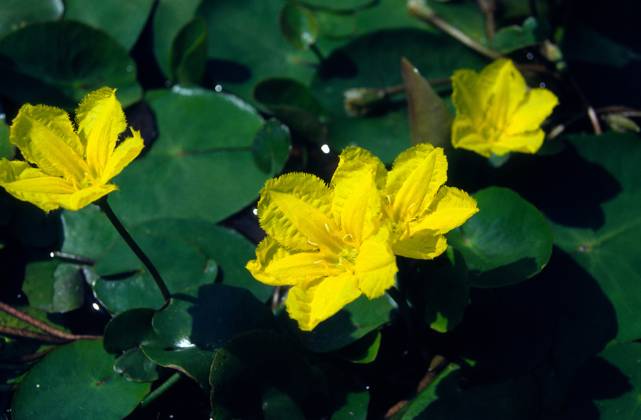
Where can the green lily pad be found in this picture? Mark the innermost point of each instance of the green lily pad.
(506, 242)
(80, 374)
(203, 138)
(229, 249)
(608, 252)
(613, 382)
(128, 330)
(342, 5)
(189, 53)
(35, 69)
(251, 52)
(15, 14)
(213, 317)
(373, 61)
(125, 283)
(86, 233)
(193, 361)
(123, 21)
(349, 325)
(54, 287)
(169, 18)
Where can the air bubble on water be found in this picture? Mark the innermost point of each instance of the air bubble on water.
(542, 85)
(255, 211)
(325, 149)
(95, 306)
(529, 56)
(218, 88)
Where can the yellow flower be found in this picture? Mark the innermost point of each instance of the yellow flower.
(496, 112)
(65, 167)
(330, 243)
(421, 208)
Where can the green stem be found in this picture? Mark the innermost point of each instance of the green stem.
(162, 388)
(106, 208)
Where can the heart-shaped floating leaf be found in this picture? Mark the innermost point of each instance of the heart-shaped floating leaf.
(608, 251)
(14, 14)
(35, 69)
(54, 287)
(204, 138)
(209, 320)
(613, 383)
(253, 52)
(506, 242)
(123, 21)
(80, 374)
(125, 283)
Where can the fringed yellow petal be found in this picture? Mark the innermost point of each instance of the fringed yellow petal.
(501, 89)
(528, 142)
(276, 266)
(464, 96)
(537, 106)
(423, 245)
(451, 208)
(31, 184)
(314, 302)
(85, 196)
(293, 208)
(123, 155)
(46, 138)
(375, 265)
(100, 120)
(354, 158)
(466, 136)
(415, 178)
(356, 205)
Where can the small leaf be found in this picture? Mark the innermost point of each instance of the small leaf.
(15, 14)
(128, 330)
(130, 16)
(350, 324)
(193, 361)
(35, 69)
(189, 53)
(507, 242)
(513, 38)
(271, 147)
(135, 366)
(299, 25)
(54, 287)
(429, 118)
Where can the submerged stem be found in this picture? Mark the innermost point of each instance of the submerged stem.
(106, 208)
(162, 388)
